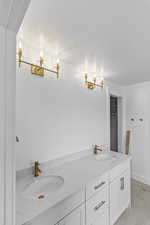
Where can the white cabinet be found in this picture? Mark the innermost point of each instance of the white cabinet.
(101, 202)
(77, 217)
(119, 195)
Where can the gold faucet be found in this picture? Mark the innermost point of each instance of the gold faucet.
(37, 169)
(96, 149)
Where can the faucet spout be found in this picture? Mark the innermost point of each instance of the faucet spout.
(37, 170)
(97, 148)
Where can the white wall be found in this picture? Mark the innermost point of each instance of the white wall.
(138, 106)
(56, 117)
(11, 14)
(2, 127)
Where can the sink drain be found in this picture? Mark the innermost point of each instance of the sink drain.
(41, 196)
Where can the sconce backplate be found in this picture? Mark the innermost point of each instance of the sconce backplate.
(37, 70)
(90, 85)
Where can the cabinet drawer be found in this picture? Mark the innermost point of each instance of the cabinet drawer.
(96, 185)
(115, 172)
(97, 206)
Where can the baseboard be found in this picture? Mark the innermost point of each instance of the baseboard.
(142, 179)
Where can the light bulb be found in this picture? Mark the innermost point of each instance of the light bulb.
(101, 78)
(41, 40)
(102, 81)
(94, 79)
(41, 58)
(102, 70)
(86, 67)
(20, 52)
(20, 44)
(58, 61)
(41, 54)
(95, 67)
(20, 49)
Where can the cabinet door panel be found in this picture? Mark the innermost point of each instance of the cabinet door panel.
(102, 220)
(77, 217)
(119, 196)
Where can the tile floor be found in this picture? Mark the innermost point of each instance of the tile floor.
(139, 213)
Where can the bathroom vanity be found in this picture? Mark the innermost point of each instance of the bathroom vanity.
(95, 191)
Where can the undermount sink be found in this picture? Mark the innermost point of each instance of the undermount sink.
(41, 187)
(105, 156)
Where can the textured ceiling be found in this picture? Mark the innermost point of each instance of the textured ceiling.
(114, 33)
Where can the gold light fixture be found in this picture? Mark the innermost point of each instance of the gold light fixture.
(37, 69)
(94, 83)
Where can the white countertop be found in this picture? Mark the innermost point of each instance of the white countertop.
(76, 175)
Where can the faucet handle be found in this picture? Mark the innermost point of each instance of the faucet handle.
(97, 148)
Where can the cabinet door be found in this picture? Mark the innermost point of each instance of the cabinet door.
(101, 220)
(119, 196)
(77, 217)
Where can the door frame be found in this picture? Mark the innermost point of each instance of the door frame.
(117, 122)
(121, 116)
(12, 13)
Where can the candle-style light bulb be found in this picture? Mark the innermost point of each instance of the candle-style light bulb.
(95, 73)
(94, 79)
(102, 77)
(20, 44)
(102, 81)
(86, 66)
(41, 58)
(58, 60)
(41, 54)
(86, 77)
(58, 66)
(102, 70)
(20, 52)
(86, 70)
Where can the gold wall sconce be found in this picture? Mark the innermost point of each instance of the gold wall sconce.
(37, 69)
(92, 84)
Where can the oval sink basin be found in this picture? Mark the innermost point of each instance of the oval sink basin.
(41, 187)
(105, 156)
